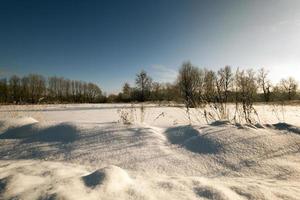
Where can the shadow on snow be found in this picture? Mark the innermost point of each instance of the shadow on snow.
(64, 133)
(190, 139)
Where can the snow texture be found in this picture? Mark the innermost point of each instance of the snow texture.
(53, 152)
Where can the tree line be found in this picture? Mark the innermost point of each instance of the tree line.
(202, 88)
(145, 89)
(35, 88)
(194, 87)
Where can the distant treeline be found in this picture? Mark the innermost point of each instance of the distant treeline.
(193, 85)
(38, 89)
(196, 85)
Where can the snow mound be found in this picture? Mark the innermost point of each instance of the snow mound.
(73, 154)
(110, 179)
(24, 121)
(31, 132)
(16, 122)
(190, 139)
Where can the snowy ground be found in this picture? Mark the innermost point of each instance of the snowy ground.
(85, 152)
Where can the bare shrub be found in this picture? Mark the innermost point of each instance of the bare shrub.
(246, 90)
(142, 113)
(279, 111)
(189, 82)
(127, 115)
(214, 93)
(224, 81)
(131, 115)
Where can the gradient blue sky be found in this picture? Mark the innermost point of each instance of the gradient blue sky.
(108, 42)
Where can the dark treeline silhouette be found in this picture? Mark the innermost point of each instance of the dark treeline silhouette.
(194, 86)
(38, 89)
(145, 89)
(202, 88)
(198, 85)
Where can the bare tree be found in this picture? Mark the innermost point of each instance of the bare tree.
(156, 91)
(188, 81)
(289, 87)
(15, 88)
(264, 83)
(143, 82)
(171, 92)
(209, 86)
(37, 87)
(126, 94)
(93, 92)
(3, 90)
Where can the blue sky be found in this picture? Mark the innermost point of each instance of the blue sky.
(108, 42)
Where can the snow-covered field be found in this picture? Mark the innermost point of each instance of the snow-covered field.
(86, 152)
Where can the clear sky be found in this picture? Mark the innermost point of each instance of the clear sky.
(108, 42)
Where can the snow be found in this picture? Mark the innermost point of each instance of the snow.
(112, 179)
(85, 152)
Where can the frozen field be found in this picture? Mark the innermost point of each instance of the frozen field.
(86, 152)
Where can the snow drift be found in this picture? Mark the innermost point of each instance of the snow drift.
(90, 156)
